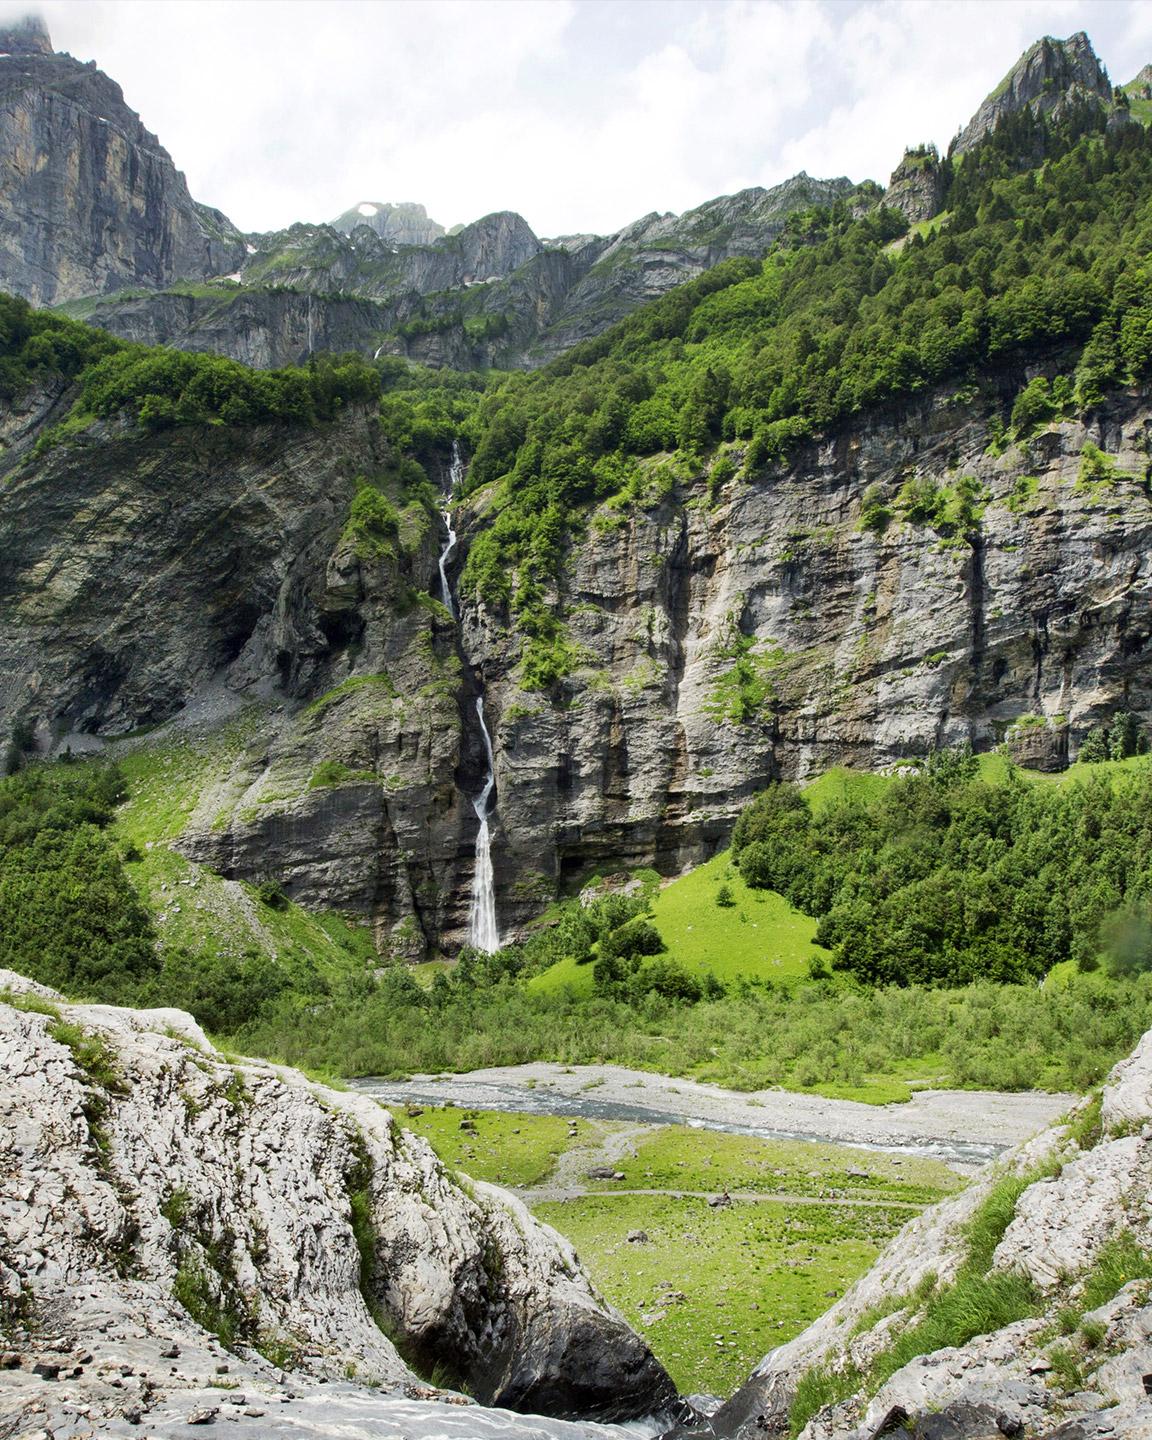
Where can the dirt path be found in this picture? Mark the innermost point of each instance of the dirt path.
(551, 1193)
(599, 1144)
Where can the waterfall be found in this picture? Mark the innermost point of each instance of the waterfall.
(455, 475)
(445, 556)
(482, 931)
(456, 469)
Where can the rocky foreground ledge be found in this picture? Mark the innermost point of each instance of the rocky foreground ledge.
(188, 1240)
(1055, 1239)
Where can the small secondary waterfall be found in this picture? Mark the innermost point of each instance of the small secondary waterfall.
(455, 475)
(482, 931)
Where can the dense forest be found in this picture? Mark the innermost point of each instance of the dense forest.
(948, 879)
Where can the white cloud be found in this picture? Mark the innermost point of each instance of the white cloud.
(581, 114)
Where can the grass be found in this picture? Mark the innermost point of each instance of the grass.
(350, 686)
(196, 909)
(751, 1276)
(672, 1158)
(192, 906)
(994, 768)
(1119, 1260)
(566, 975)
(978, 1302)
(841, 784)
(514, 1150)
(759, 934)
(92, 1054)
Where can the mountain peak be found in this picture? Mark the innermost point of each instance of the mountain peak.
(1050, 75)
(25, 35)
(405, 223)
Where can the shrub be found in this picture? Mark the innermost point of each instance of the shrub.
(875, 515)
(373, 524)
(69, 915)
(271, 893)
(1034, 405)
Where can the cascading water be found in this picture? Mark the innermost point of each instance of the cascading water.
(455, 474)
(482, 931)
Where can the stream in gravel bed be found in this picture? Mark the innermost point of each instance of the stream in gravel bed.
(963, 1128)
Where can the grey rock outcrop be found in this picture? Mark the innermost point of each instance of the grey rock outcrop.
(319, 259)
(220, 578)
(1075, 1200)
(89, 199)
(158, 1202)
(916, 188)
(867, 646)
(262, 327)
(1049, 77)
(403, 224)
(1140, 86)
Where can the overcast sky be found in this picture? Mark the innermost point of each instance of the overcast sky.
(580, 114)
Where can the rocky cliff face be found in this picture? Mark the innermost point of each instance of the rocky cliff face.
(916, 188)
(403, 224)
(159, 1204)
(1083, 1189)
(1051, 76)
(1140, 86)
(791, 622)
(318, 258)
(771, 633)
(89, 199)
(490, 294)
(218, 575)
(265, 328)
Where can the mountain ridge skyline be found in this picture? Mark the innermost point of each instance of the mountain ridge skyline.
(696, 121)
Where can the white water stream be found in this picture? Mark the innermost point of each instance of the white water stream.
(482, 930)
(455, 475)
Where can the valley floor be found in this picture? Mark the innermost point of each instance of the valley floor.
(962, 1127)
(720, 1223)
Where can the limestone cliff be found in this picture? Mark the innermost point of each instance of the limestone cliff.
(265, 327)
(805, 617)
(804, 620)
(1050, 77)
(1077, 1365)
(916, 188)
(161, 1204)
(218, 576)
(89, 199)
(403, 224)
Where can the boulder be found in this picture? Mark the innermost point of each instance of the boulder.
(178, 1201)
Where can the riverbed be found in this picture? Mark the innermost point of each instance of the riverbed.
(964, 1128)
